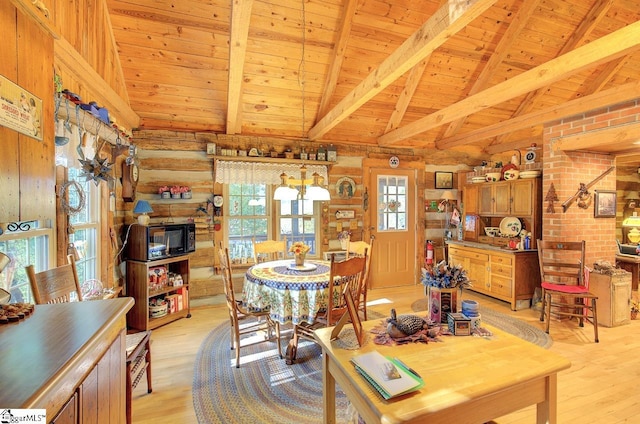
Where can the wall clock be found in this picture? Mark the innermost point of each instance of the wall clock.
(130, 176)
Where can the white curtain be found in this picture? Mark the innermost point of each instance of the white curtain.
(259, 173)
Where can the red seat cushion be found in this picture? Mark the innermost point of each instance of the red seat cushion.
(564, 288)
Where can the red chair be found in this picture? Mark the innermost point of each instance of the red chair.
(563, 283)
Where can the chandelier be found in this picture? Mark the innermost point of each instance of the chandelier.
(303, 188)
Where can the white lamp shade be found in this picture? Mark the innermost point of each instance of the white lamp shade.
(448, 195)
(285, 193)
(318, 194)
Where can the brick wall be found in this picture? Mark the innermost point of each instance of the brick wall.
(566, 170)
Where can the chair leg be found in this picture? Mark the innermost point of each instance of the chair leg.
(548, 310)
(237, 345)
(595, 319)
(147, 358)
(277, 325)
(543, 305)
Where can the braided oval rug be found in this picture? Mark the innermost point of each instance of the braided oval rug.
(264, 389)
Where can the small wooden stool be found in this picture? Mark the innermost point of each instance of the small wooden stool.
(138, 363)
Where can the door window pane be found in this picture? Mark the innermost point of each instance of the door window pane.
(392, 203)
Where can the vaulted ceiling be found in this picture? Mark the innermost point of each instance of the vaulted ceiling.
(472, 77)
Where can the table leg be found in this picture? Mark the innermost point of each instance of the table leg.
(328, 392)
(292, 347)
(547, 411)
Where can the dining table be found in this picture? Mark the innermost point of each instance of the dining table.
(294, 294)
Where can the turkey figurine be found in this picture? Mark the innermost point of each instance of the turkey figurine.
(404, 325)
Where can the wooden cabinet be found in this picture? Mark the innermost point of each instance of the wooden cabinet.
(522, 197)
(71, 361)
(505, 275)
(143, 290)
(470, 198)
(614, 295)
(494, 199)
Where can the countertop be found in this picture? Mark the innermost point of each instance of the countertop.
(52, 345)
(486, 246)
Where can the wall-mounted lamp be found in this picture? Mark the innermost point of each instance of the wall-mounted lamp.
(143, 208)
(303, 188)
(632, 199)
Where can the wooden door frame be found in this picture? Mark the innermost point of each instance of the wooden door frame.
(420, 220)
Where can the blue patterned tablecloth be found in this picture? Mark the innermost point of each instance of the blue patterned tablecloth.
(293, 296)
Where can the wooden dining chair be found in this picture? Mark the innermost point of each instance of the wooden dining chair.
(345, 275)
(270, 250)
(55, 285)
(362, 249)
(565, 291)
(244, 321)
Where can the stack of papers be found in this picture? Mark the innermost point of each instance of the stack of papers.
(389, 377)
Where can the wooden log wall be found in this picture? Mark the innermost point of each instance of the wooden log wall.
(180, 158)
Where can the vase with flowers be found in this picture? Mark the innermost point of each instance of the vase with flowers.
(443, 288)
(299, 250)
(344, 237)
(164, 192)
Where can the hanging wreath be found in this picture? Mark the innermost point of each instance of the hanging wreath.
(64, 198)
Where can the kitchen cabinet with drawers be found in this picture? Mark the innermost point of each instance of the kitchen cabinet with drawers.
(508, 275)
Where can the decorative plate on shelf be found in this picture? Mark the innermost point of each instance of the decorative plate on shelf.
(218, 201)
(510, 226)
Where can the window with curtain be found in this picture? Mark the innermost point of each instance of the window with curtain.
(249, 208)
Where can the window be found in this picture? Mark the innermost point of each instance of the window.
(250, 211)
(392, 201)
(26, 244)
(247, 209)
(298, 221)
(85, 227)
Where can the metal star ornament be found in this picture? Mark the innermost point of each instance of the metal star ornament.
(96, 169)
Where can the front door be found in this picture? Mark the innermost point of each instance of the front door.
(392, 219)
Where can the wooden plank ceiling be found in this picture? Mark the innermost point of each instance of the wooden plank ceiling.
(471, 77)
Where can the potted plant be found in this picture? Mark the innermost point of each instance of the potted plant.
(164, 192)
(344, 237)
(299, 250)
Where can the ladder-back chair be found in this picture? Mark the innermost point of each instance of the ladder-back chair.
(243, 320)
(363, 249)
(564, 289)
(55, 285)
(269, 250)
(344, 275)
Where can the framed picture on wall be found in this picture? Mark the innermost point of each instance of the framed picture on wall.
(444, 179)
(605, 204)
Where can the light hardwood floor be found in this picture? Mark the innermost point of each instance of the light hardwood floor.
(602, 385)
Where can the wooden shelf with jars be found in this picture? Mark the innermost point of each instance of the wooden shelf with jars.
(268, 159)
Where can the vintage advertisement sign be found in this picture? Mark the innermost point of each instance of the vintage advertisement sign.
(19, 109)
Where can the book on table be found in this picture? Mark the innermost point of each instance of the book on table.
(387, 375)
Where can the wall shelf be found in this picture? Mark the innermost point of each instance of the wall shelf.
(267, 159)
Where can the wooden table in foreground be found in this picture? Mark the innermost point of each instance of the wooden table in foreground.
(467, 379)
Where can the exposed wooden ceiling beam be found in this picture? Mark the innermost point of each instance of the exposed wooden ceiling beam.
(597, 52)
(624, 134)
(410, 86)
(239, 33)
(447, 21)
(502, 50)
(338, 56)
(577, 38)
(614, 95)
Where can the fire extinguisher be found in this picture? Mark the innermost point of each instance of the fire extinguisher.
(429, 253)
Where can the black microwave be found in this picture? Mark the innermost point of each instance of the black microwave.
(160, 241)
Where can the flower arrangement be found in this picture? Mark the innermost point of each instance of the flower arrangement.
(344, 235)
(299, 248)
(179, 189)
(444, 276)
(163, 189)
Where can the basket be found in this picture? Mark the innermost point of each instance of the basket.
(158, 311)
